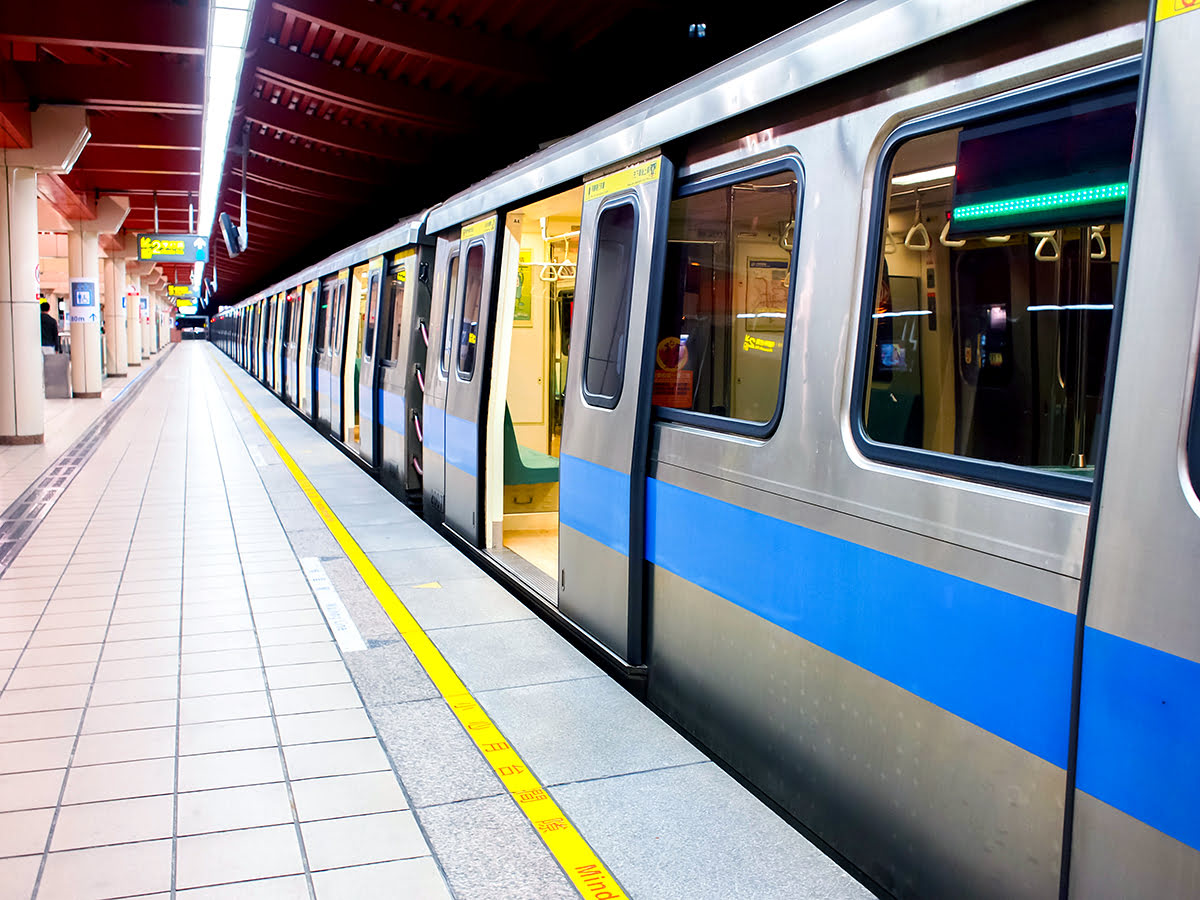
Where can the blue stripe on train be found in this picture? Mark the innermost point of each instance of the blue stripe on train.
(990, 657)
(462, 445)
(993, 658)
(594, 500)
(434, 425)
(391, 411)
(1139, 733)
(452, 438)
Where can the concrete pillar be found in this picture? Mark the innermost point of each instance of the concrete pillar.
(116, 330)
(22, 385)
(133, 305)
(147, 305)
(83, 267)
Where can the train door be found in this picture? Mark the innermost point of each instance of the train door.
(268, 337)
(602, 476)
(280, 337)
(366, 393)
(257, 346)
(325, 307)
(340, 385)
(291, 345)
(307, 369)
(356, 316)
(535, 295)
(403, 343)
(445, 289)
(464, 387)
(1136, 790)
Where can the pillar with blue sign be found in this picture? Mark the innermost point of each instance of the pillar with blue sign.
(83, 266)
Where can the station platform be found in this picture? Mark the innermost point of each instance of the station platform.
(234, 666)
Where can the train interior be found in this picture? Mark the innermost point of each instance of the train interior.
(352, 362)
(536, 297)
(724, 314)
(993, 343)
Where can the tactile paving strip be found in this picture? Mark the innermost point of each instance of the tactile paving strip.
(23, 516)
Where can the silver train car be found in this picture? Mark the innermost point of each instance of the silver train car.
(845, 397)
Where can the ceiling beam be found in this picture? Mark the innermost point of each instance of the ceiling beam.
(409, 33)
(159, 85)
(331, 133)
(365, 93)
(145, 130)
(133, 182)
(15, 126)
(70, 204)
(112, 25)
(313, 160)
(289, 178)
(176, 161)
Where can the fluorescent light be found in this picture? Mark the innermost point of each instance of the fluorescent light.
(897, 315)
(939, 174)
(1104, 193)
(228, 25)
(1085, 306)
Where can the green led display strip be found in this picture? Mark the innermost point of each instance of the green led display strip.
(1042, 202)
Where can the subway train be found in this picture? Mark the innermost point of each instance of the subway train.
(843, 397)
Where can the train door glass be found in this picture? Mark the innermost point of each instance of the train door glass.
(525, 412)
(308, 331)
(357, 312)
(994, 291)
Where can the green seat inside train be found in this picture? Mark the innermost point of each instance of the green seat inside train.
(522, 465)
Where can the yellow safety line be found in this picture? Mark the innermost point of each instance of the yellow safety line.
(578, 860)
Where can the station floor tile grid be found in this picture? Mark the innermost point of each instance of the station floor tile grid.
(175, 719)
(664, 819)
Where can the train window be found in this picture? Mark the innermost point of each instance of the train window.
(393, 308)
(726, 296)
(447, 319)
(469, 320)
(608, 317)
(338, 319)
(323, 316)
(1193, 439)
(987, 317)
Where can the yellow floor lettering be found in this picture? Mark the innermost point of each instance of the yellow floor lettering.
(569, 848)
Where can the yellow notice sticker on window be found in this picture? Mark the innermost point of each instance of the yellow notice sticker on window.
(477, 228)
(619, 181)
(1168, 8)
(762, 345)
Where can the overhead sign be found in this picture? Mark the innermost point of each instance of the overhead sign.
(83, 301)
(186, 310)
(182, 292)
(176, 248)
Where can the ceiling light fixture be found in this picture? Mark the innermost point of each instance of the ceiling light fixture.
(228, 27)
(938, 174)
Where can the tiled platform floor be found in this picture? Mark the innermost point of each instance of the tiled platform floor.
(65, 421)
(175, 718)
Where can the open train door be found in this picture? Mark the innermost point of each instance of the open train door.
(606, 420)
(1134, 829)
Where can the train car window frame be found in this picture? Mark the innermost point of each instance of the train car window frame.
(389, 315)
(466, 376)
(610, 401)
(371, 328)
(698, 184)
(972, 469)
(1192, 445)
(449, 299)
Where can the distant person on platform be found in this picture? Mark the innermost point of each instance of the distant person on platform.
(49, 329)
